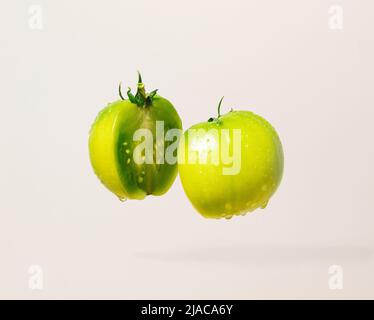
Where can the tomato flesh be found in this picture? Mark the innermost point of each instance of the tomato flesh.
(111, 147)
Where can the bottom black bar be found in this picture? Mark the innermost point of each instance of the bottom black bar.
(191, 309)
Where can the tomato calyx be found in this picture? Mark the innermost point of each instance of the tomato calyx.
(141, 98)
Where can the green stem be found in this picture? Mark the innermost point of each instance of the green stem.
(141, 98)
(139, 77)
(120, 91)
(219, 107)
(141, 95)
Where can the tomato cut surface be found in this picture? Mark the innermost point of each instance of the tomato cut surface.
(112, 143)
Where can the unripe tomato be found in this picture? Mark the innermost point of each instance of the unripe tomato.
(218, 188)
(113, 140)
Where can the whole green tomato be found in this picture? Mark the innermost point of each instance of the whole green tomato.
(127, 144)
(230, 165)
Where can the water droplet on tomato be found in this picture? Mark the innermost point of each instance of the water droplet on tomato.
(263, 206)
(254, 205)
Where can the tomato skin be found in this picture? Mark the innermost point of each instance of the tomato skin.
(217, 195)
(111, 147)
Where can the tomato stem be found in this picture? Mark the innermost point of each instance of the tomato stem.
(140, 93)
(219, 107)
(120, 91)
(218, 111)
(141, 98)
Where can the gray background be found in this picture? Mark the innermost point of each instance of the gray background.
(279, 59)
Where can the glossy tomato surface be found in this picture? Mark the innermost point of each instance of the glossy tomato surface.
(220, 189)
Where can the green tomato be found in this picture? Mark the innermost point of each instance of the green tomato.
(218, 188)
(112, 143)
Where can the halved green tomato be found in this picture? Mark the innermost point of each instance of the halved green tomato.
(121, 129)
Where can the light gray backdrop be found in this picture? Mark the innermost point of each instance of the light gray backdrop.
(306, 66)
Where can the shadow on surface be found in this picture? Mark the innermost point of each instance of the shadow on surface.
(260, 255)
